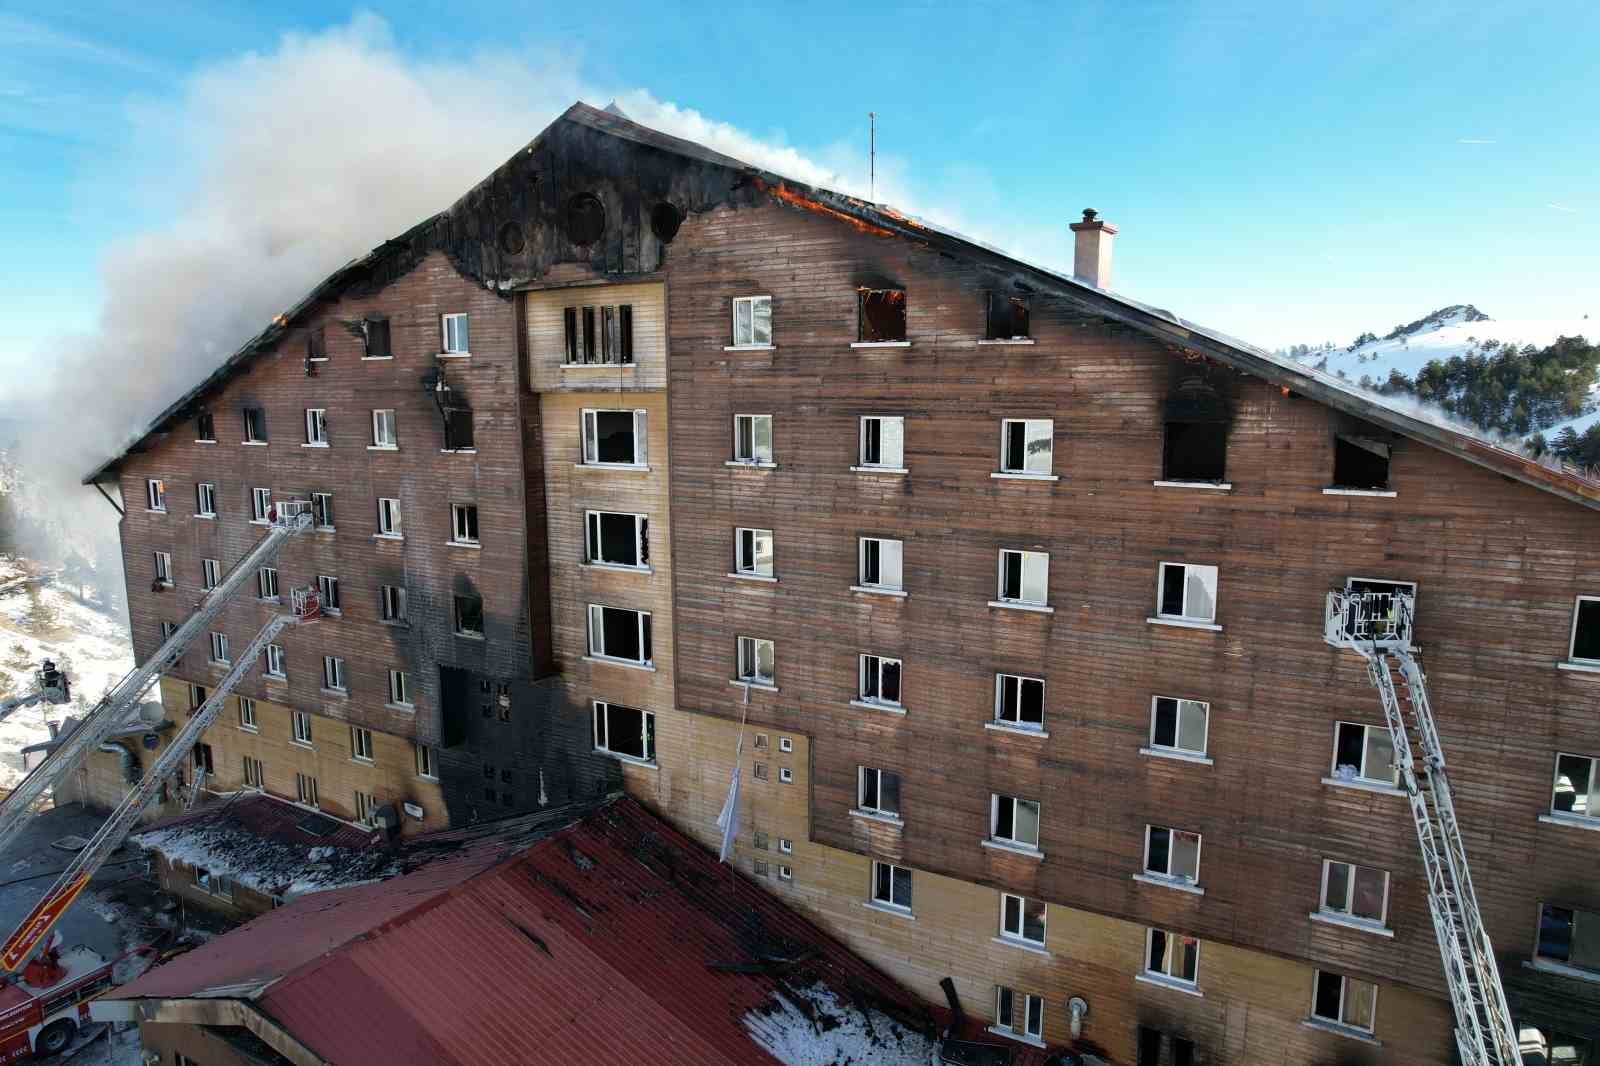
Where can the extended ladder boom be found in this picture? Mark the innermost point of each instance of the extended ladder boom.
(111, 713)
(1378, 625)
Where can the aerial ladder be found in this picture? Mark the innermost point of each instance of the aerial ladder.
(53, 688)
(287, 519)
(1378, 625)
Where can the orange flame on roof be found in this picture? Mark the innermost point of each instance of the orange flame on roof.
(795, 199)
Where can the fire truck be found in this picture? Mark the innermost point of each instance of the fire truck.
(41, 1010)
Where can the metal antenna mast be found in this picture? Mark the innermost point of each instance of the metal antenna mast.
(872, 156)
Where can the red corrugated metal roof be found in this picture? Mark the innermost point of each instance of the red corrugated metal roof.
(595, 945)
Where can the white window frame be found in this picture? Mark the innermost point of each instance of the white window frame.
(316, 427)
(1032, 428)
(1003, 1020)
(385, 429)
(361, 744)
(1000, 682)
(1174, 958)
(423, 756)
(1167, 875)
(455, 334)
(250, 436)
(267, 584)
(1183, 704)
(322, 508)
(247, 715)
(400, 689)
(155, 492)
(254, 773)
(893, 902)
(1019, 934)
(219, 649)
(197, 696)
(1013, 841)
(752, 455)
(870, 667)
(1202, 570)
(591, 437)
(891, 563)
(1031, 561)
(333, 679)
(205, 499)
(163, 564)
(274, 662)
(1361, 771)
(464, 524)
(366, 808)
(876, 808)
(749, 652)
(260, 504)
(601, 710)
(1347, 913)
(887, 450)
(389, 518)
(642, 623)
(392, 603)
(210, 573)
(1591, 811)
(305, 791)
(1572, 637)
(300, 727)
(1344, 992)
(593, 541)
(753, 338)
(748, 564)
(328, 594)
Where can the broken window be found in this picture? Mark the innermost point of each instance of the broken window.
(1351, 891)
(624, 731)
(464, 523)
(1172, 956)
(1018, 1013)
(881, 316)
(891, 886)
(305, 789)
(1024, 577)
(155, 494)
(202, 759)
(255, 425)
(599, 335)
(163, 568)
(752, 439)
(267, 583)
(1187, 593)
(1026, 446)
(613, 438)
(458, 430)
(1577, 786)
(388, 517)
(260, 504)
(1014, 821)
(752, 321)
(385, 430)
(328, 594)
(333, 673)
(392, 603)
(1343, 1000)
(300, 724)
(1364, 753)
(753, 552)
(375, 338)
(1008, 318)
(1585, 644)
(453, 334)
(1172, 854)
(757, 661)
(167, 630)
(620, 634)
(316, 346)
(1149, 1053)
(1569, 936)
(214, 884)
(205, 500)
(1360, 463)
(879, 680)
(316, 426)
(1196, 438)
(881, 564)
(469, 616)
(219, 648)
(883, 443)
(1022, 918)
(616, 538)
(1178, 725)
(205, 428)
(878, 791)
(1019, 701)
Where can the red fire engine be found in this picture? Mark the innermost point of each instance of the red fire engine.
(42, 1009)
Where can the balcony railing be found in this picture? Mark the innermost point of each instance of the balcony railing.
(1368, 620)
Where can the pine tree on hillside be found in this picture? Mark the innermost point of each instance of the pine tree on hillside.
(1566, 444)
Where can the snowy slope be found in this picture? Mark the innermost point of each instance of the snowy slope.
(49, 621)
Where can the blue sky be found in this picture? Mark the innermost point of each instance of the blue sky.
(1285, 172)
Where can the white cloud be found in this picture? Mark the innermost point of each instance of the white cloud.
(1563, 208)
(1475, 140)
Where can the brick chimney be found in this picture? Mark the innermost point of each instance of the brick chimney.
(1091, 255)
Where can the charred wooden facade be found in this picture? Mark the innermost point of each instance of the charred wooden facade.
(1167, 446)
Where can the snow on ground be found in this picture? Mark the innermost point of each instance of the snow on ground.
(1448, 335)
(111, 1049)
(844, 1040)
(49, 621)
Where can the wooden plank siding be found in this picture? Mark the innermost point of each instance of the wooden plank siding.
(1497, 562)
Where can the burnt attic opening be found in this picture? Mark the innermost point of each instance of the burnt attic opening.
(375, 338)
(1008, 318)
(1196, 433)
(205, 427)
(1360, 462)
(511, 240)
(586, 218)
(881, 315)
(665, 219)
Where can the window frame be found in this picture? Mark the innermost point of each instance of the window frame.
(1005, 447)
(205, 499)
(163, 568)
(1361, 776)
(305, 785)
(210, 574)
(990, 319)
(247, 715)
(754, 457)
(602, 730)
(866, 333)
(458, 619)
(1179, 703)
(423, 758)
(1566, 965)
(750, 567)
(316, 427)
(253, 773)
(400, 689)
(871, 667)
(1174, 956)
(255, 425)
(893, 901)
(455, 328)
(1572, 638)
(1348, 913)
(642, 635)
(392, 604)
(271, 652)
(1161, 575)
(464, 524)
(301, 728)
(753, 342)
(155, 495)
(328, 595)
(594, 539)
(899, 555)
(863, 442)
(876, 808)
(260, 504)
(333, 675)
(390, 520)
(1000, 679)
(219, 649)
(1591, 813)
(385, 429)
(1022, 577)
(1167, 876)
(1014, 841)
(1317, 974)
(1004, 1020)
(203, 421)
(754, 678)
(1020, 935)
(589, 424)
(361, 747)
(322, 511)
(267, 584)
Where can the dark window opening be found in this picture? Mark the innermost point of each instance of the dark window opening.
(1360, 463)
(1008, 317)
(375, 338)
(469, 615)
(599, 334)
(1022, 700)
(588, 336)
(1182, 1052)
(1149, 1053)
(1172, 582)
(625, 731)
(614, 539)
(205, 428)
(255, 424)
(665, 219)
(202, 759)
(1586, 631)
(570, 329)
(614, 437)
(623, 634)
(882, 315)
(586, 218)
(1329, 991)
(458, 428)
(1195, 447)
(316, 344)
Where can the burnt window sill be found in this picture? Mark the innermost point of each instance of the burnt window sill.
(618, 567)
(897, 471)
(458, 451)
(877, 816)
(631, 760)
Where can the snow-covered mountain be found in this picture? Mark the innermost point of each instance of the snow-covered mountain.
(1461, 330)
